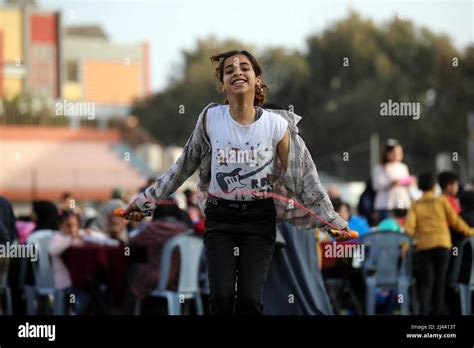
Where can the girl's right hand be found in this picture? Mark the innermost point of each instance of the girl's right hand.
(132, 212)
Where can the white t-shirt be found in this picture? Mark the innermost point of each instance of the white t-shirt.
(243, 156)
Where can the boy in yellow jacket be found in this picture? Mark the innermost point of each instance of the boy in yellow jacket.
(428, 222)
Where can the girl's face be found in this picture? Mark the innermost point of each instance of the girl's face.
(116, 225)
(239, 76)
(344, 212)
(396, 155)
(70, 226)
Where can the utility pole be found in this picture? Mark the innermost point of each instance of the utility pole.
(374, 150)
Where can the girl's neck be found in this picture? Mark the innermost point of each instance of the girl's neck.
(243, 111)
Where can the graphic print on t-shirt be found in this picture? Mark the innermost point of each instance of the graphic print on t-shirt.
(228, 182)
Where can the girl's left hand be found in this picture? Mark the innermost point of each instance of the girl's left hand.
(343, 234)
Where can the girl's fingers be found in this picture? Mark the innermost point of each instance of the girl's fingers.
(136, 216)
(133, 216)
(344, 234)
(127, 214)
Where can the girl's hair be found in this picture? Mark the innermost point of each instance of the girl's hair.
(46, 214)
(260, 93)
(390, 145)
(65, 214)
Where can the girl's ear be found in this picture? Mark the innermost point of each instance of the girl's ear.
(221, 87)
(258, 80)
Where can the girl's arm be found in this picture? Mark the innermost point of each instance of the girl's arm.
(283, 149)
(58, 244)
(302, 178)
(381, 181)
(174, 177)
(455, 221)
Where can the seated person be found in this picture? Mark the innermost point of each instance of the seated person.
(395, 223)
(109, 225)
(69, 235)
(356, 223)
(168, 221)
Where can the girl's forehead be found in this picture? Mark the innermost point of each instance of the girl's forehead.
(70, 219)
(236, 58)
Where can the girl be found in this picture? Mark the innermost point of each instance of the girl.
(250, 180)
(69, 235)
(391, 180)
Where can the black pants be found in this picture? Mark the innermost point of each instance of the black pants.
(239, 242)
(432, 268)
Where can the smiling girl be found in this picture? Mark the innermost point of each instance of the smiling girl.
(243, 153)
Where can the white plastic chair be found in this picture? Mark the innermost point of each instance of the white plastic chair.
(190, 248)
(381, 268)
(465, 290)
(43, 275)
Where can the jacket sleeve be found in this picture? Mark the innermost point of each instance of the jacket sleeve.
(314, 196)
(58, 244)
(182, 169)
(410, 226)
(455, 221)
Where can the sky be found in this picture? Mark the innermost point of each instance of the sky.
(173, 25)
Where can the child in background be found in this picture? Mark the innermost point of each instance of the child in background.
(356, 222)
(395, 223)
(428, 221)
(69, 235)
(449, 184)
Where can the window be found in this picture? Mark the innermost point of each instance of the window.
(72, 71)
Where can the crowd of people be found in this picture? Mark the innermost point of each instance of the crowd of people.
(79, 227)
(437, 212)
(437, 219)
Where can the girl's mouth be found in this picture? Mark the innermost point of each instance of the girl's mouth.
(239, 82)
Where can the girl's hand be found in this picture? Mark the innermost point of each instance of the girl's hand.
(343, 234)
(132, 212)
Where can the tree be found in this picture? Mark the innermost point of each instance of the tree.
(338, 85)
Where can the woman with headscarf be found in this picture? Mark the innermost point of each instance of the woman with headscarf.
(110, 225)
(45, 215)
(8, 233)
(168, 221)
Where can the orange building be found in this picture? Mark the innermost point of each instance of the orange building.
(111, 75)
(40, 58)
(30, 53)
